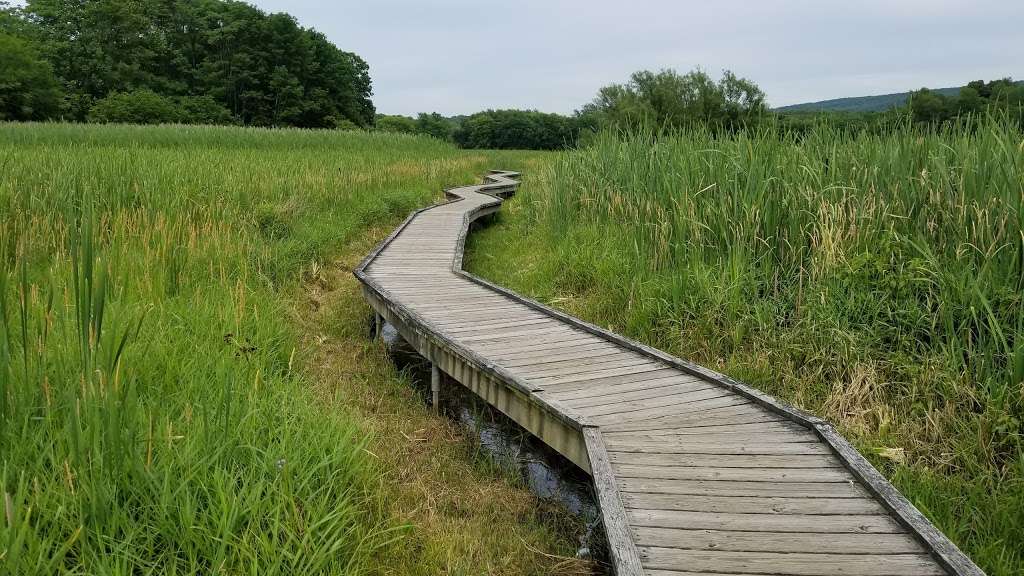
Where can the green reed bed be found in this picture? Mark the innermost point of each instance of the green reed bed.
(876, 280)
(152, 415)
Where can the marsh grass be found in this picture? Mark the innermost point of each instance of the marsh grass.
(157, 414)
(876, 280)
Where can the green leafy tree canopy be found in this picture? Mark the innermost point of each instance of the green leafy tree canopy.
(668, 99)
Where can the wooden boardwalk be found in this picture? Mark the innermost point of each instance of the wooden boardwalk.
(695, 473)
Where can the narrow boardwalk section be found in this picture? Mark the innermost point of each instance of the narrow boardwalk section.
(695, 473)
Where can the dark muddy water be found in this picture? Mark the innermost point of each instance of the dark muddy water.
(545, 472)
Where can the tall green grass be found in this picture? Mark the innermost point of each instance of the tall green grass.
(874, 279)
(152, 415)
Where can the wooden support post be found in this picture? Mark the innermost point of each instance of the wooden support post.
(378, 325)
(435, 386)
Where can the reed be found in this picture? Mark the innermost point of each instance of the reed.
(875, 279)
(153, 417)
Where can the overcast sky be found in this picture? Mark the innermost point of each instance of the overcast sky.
(462, 56)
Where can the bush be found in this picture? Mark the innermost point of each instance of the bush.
(148, 107)
(396, 124)
(434, 125)
(344, 124)
(203, 110)
(138, 107)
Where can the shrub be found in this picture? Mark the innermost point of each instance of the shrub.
(138, 107)
(396, 124)
(203, 110)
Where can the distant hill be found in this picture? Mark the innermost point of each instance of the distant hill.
(878, 103)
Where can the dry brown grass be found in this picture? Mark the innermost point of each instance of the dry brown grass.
(461, 518)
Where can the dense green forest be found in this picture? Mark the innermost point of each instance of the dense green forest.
(187, 61)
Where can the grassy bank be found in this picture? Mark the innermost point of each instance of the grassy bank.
(161, 405)
(874, 280)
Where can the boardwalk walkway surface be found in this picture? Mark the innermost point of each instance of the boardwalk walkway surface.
(695, 473)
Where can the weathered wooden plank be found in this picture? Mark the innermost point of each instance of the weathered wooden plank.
(648, 366)
(412, 235)
(667, 400)
(443, 300)
(803, 436)
(743, 488)
(452, 326)
(620, 379)
(454, 310)
(416, 270)
(725, 438)
(422, 278)
(393, 280)
(597, 352)
(584, 367)
(796, 564)
(855, 523)
(734, 474)
(538, 343)
(527, 327)
(727, 460)
(726, 540)
(698, 389)
(612, 390)
(727, 415)
(410, 257)
(752, 504)
(672, 410)
(723, 430)
(501, 336)
(765, 447)
(465, 328)
(396, 263)
(443, 257)
(413, 294)
(622, 550)
(541, 365)
(532, 351)
(487, 320)
(396, 279)
(485, 313)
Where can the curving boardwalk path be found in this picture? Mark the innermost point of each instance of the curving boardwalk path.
(695, 473)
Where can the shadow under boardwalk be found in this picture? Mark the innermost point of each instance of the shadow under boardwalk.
(695, 473)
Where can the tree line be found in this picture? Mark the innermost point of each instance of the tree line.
(663, 100)
(190, 61)
(226, 62)
(978, 97)
(495, 129)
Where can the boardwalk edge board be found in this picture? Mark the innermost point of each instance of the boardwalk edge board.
(625, 556)
(624, 552)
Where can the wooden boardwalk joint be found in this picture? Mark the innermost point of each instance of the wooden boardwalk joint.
(695, 473)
